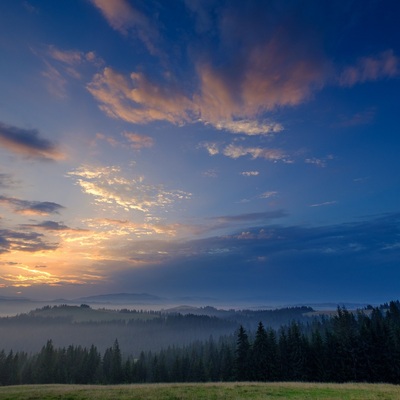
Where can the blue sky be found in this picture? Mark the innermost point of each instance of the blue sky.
(228, 149)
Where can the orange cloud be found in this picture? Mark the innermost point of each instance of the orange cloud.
(137, 141)
(138, 100)
(124, 18)
(385, 65)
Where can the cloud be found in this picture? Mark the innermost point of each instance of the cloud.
(234, 151)
(211, 147)
(319, 162)
(110, 188)
(267, 195)
(6, 181)
(137, 141)
(283, 243)
(385, 65)
(51, 226)
(257, 216)
(326, 203)
(360, 118)
(70, 57)
(22, 275)
(62, 64)
(12, 240)
(249, 127)
(56, 83)
(126, 19)
(211, 173)
(292, 263)
(134, 140)
(27, 142)
(250, 173)
(27, 207)
(139, 100)
(118, 228)
(239, 64)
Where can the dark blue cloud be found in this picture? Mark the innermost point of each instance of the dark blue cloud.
(256, 216)
(28, 143)
(344, 262)
(31, 207)
(48, 226)
(11, 240)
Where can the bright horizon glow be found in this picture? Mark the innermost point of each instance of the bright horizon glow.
(223, 149)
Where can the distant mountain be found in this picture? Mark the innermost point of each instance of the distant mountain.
(122, 298)
(195, 299)
(334, 306)
(12, 298)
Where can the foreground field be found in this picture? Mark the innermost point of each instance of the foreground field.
(211, 391)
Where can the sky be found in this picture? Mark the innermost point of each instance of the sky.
(221, 149)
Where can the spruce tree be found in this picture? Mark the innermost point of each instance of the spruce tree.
(242, 361)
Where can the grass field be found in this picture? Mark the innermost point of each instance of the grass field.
(208, 391)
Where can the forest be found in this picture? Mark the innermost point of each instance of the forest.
(136, 330)
(361, 346)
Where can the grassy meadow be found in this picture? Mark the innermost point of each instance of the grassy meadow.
(207, 391)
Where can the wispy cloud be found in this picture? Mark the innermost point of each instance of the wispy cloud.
(249, 127)
(326, 203)
(108, 186)
(51, 226)
(13, 240)
(360, 118)
(56, 82)
(117, 228)
(385, 65)
(61, 64)
(211, 147)
(235, 151)
(27, 207)
(267, 195)
(22, 275)
(249, 217)
(126, 19)
(131, 140)
(236, 79)
(138, 99)
(7, 181)
(250, 173)
(319, 162)
(137, 141)
(211, 173)
(28, 143)
(71, 57)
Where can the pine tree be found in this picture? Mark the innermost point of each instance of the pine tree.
(242, 361)
(260, 354)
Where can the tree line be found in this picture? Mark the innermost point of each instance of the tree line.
(358, 347)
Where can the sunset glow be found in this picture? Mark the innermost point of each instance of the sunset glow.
(230, 149)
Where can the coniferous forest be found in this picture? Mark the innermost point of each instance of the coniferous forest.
(358, 347)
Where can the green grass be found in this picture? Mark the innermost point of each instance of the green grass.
(208, 391)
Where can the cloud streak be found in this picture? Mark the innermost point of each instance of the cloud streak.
(126, 19)
(51, 226)
(109, 187)
(26, 207)
(385, 65)
(28, 143)
(12, 240)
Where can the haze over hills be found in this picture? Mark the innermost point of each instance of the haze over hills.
(12, 305)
